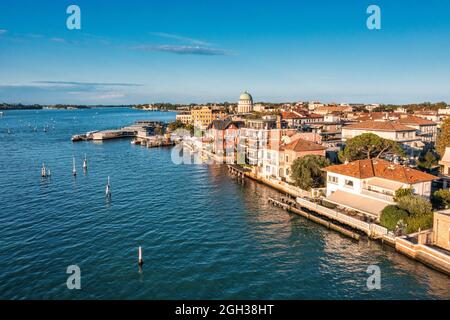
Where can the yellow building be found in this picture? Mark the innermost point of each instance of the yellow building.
(441, 229)
(184, 117)
(201, 117)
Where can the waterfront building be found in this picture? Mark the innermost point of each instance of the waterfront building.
(441, 229)
(254, 138)
(369, 185)
(404, 135)
(201, 117)
(224, 135)
(296, 149)
(185, 117)
(245, 104)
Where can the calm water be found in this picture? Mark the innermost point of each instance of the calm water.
(203, 234)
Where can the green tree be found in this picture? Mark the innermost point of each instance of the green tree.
(307, 171)
(391, 215)
(415, 205)
(441, 199)
(416, 223)
(443, 139)
(428, 161)
(403, 192)
(368, 146)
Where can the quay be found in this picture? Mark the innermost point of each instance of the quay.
(413, 246)
(290, 205)
(142, 128)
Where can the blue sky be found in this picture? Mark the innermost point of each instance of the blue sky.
(199, 51)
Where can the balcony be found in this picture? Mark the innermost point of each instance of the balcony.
(378, 195)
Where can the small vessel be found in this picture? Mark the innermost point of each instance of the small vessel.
(43, 171)
(74, 169)
(108, 189)
(85, 163)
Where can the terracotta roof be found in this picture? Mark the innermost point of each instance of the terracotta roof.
(413, 120)
(379, 126)
(289, 115)
(301, 145)
(334, 108)
(368, 168)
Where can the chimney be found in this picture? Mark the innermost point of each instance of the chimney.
(278, 122)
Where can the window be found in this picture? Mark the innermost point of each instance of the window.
(349, 183)
(333, 179)
(287, 159)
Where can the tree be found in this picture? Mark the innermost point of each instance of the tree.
(391, 215)
(307, 171)
(443, 139)
(415, 205)
(368, 146)
(441, 199)
(428, 161)
(403, 192)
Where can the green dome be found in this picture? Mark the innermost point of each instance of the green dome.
(245, 96)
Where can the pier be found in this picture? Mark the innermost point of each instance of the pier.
(140, 128)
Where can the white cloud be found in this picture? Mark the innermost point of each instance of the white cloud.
(3, 31)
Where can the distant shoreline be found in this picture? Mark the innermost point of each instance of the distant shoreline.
(68, 107)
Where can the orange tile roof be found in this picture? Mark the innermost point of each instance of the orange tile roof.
(379, 126)
(413, 120)
(368, 168)
(301, 145)
(289, 115)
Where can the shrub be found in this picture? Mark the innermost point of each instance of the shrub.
(441, 199)
(403, 192)
(415, 205)
(422, 222)
(391, 215)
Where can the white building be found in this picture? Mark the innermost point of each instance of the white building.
(369, 185)
(245, 104)
(404, 135)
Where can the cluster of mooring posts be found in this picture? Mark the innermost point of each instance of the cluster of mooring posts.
(237, 172)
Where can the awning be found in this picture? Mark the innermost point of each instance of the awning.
(359, 203)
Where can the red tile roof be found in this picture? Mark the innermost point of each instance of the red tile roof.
(289, 115)
(379, 126)
(413, 120)
(368, 168)
(301, 145)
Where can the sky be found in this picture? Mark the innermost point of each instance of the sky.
(196, 51)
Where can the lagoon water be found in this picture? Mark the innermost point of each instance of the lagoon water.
(203, 234)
